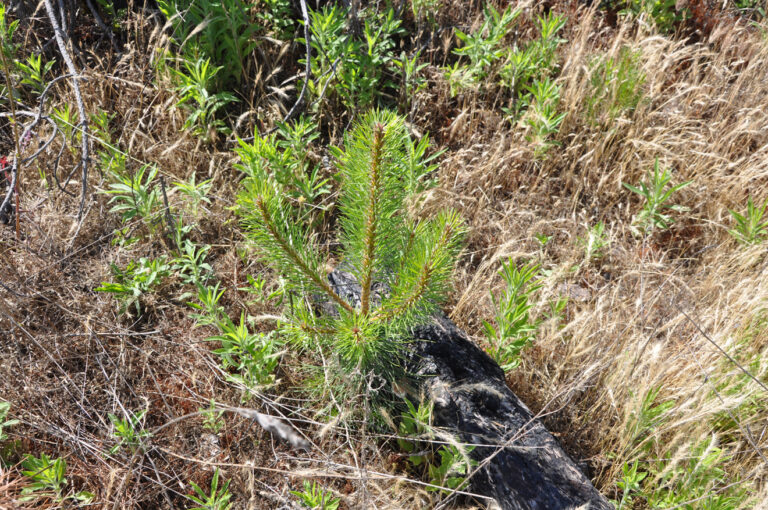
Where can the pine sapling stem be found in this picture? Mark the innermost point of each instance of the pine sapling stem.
(371, 218)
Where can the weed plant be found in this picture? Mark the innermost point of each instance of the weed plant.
(617, 83)
(135, 196)
(221, 32)
(4, 421)
(315, 497)
(656, 197)
(129, 431)
(750, 227)
(48, 480)
(212, 418)
(514, 329)
(285, 157)
(195, 87)
(135, 281)
(358, 71)
(218, 498)
(33, 72)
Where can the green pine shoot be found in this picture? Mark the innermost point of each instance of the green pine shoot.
(403, 265)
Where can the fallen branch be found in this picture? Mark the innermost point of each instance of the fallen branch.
(83, 125)
(307, 66)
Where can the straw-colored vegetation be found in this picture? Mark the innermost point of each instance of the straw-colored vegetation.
(607, 165)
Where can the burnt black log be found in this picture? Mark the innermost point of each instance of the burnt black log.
(526, 468)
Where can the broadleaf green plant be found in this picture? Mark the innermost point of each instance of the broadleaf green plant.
(750, 227)
(136, 280)
(129, 431)
(218, 499)
(656, 194)
(403, 265)
(514, 328)
(221, 31)
(315, 497)
(350, 69)
(4, 408)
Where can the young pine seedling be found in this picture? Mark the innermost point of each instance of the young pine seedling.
(656, 197)
(750, 227)
(402, 265)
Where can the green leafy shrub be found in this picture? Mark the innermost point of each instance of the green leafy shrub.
(663, 13)
(514, 328)
(196, 193)
(656, 197)
(135, 196)
(212, 417)
(7, 29)
(254, 357)
(284, 157)
(483, 47)
(356, 69)
(4, 408)
(595, 242)
(219, 31)
(278, 16)
(195, 87)
(136, 280)
(415, 423)
(542, 117)
(451, 472)
(33, 72)
(381, 246)
(48, 480)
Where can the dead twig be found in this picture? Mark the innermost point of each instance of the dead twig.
(60, 36)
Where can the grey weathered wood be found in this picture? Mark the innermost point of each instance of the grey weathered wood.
(528, 469)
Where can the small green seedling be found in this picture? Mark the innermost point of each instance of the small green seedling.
(136, 280)
(656, 196)
(128, 431)
(218, 499)
(415, 424)
(595, 242)
(48, 480)
(451, 473)
(314, 496)
(34, 71)
(629, 485)
(514, 328)
(4, 408)
(750, 227)
(196, 192)
(212, 418)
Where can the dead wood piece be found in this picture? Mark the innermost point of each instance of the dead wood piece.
(528, 470)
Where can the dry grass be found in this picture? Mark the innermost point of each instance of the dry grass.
(653, 313)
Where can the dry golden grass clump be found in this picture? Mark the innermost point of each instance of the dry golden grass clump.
(659, 357)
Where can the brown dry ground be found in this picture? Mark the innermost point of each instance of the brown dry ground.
(652, 313)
